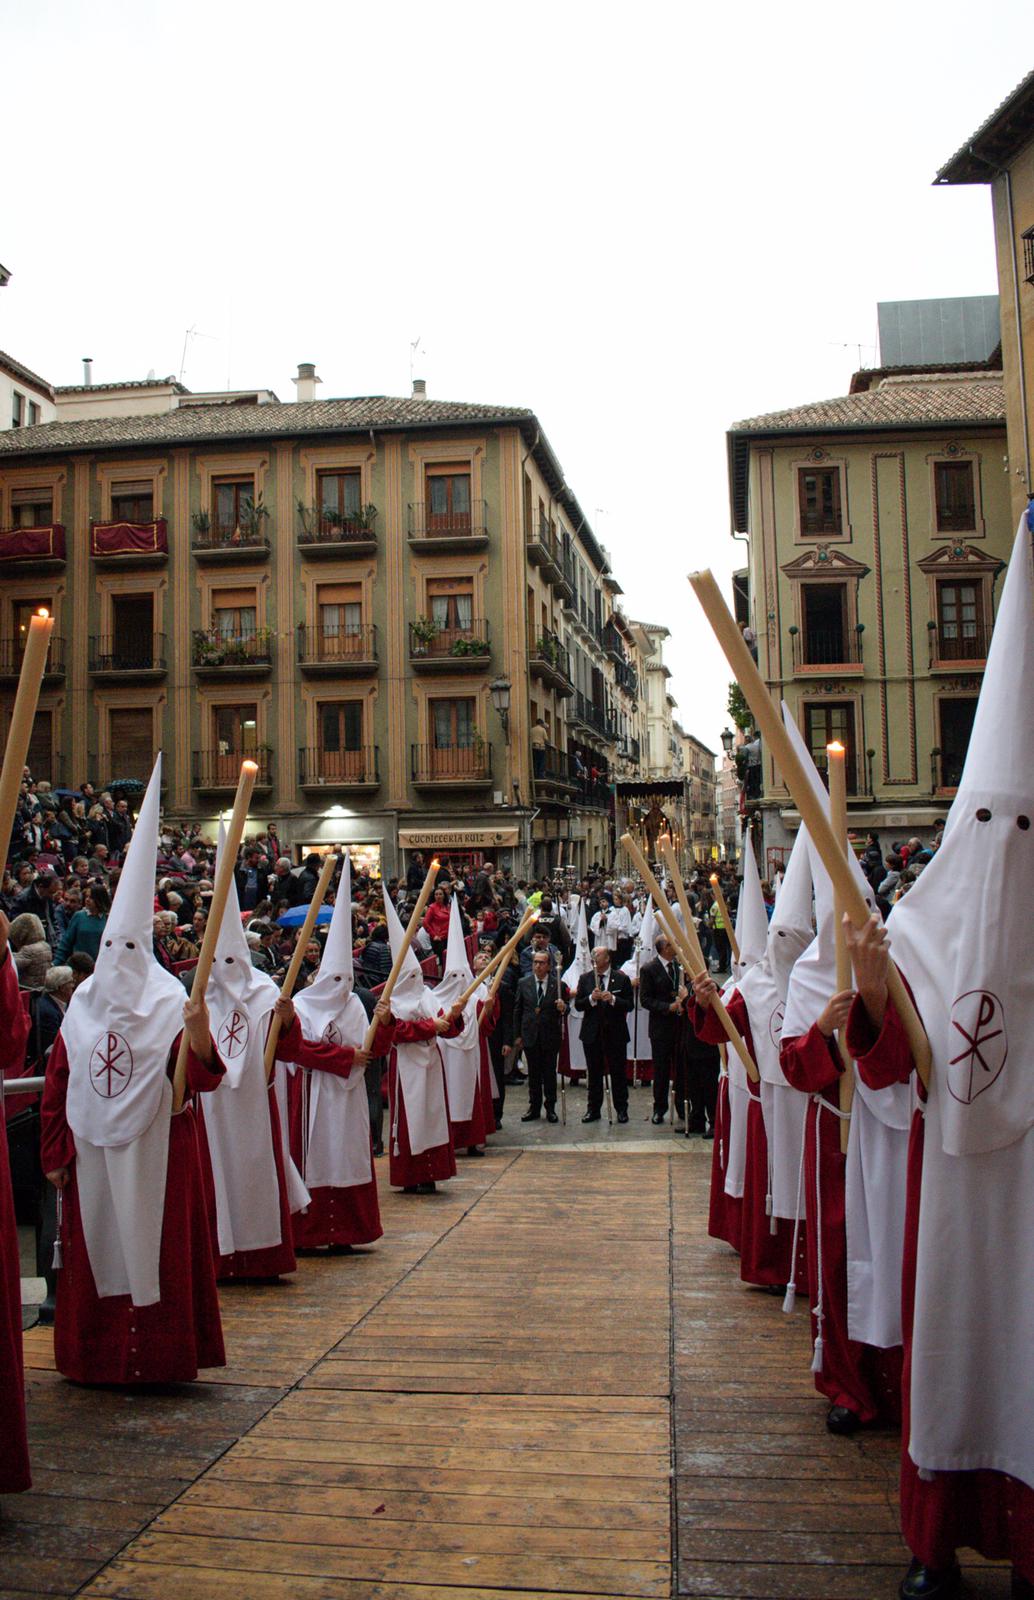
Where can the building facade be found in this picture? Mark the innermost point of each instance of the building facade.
(879, 524)
(395, 606)
(702, 804)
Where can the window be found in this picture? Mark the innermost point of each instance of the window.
(1028, 255)
(229, 497)
(341, 739)
(132, 631)
(132, 502)
(953, 494)
(960, 621)
(824, 615)
(818, 492)
(448, 500)
(32, 508)
(34, 413)
(339, 495)
(40, 755)
(22, 614)
(235, 729)
(956, 720)
(826, 722)
(131, 741)
(453, 738)
(451, 602)
(234, 613)
(339, 629)
(17, 408)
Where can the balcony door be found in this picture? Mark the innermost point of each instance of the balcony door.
(235, 730)
(131, 742)
(229, 504)
(956, 720)
(131, 646)
(340, 499)
(40, 756)
(339, 629)
(23, 613)
(448, 500)
(828, 721)
(824, 615)
(340, 752)
(453, 752)
(960, 621)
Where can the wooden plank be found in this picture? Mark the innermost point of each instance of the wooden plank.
(138, 1580)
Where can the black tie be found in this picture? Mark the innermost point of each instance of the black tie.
(675, 976)
(541, 994)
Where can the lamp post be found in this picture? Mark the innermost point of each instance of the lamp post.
(499, 689)
(728, 740)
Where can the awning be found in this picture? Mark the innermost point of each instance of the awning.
(457, 838)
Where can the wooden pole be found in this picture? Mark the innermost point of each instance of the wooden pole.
(407, 940)
(813, 812)
(691, 959)
(23, 715)
(298, 956)
(499, 961)
(838, 818)
(220, 890)
(724, 909)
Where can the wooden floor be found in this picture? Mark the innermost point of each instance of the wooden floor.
(498, 1397)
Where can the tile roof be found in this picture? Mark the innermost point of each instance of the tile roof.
(235, 422)
(907, 402)
(124, 383)
(24, 374)
(996, 141)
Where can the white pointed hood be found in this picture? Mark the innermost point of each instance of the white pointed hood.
(751, 916)
(764, 988)
(582, 954)
(461, 1056)
(328, 998)
(457, 975)
(815, 974)
(408, 994)
(961, 934)
(649, 928)
(239, 995)
(121, 1022)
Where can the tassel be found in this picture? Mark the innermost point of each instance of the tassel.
(773, 1225)
(926, 1476)
(57, 1259)
(721, 1154)
(396, 1151)
(768, 1204)
(790, 1298)
(816, 1360)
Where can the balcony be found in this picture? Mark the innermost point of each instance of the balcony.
(543, 549)
(435, 649)
(241, 655)
(42, 548)
(129, 544)
(116, 658)
(627, 679)
(211, 545)
(584, 713)
(549, 661)
(821, 650)
(352, 771)
(554, 772)
(13, 650)
(457, 767)
(334, 536)
(337, 653)
(958, 646)
(613, 644)
(215, 771)
(592, 788)
(458, 530)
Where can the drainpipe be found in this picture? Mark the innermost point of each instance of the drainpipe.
(1019, 331)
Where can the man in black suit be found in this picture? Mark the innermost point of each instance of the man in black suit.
(538, 1025)
(663, 994)
(604, 997)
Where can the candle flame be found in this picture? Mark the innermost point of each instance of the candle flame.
(43, 612)
(434, 864)
(834, 748)
(714, 877)
(249, 766)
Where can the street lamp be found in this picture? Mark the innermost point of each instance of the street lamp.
(728, 740)
(499, 689)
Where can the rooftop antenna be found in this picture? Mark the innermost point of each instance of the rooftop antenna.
(414, 350)
(853, 344)
(191, 333)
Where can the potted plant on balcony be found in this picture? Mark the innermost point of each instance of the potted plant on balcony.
(424, 631)
(472, 645)
(201, 523)
(253, 515)
(209, 648)
(548, 649)
(309, 520)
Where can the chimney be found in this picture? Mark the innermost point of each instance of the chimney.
(306, 381)
(88, 371)
(419, 389)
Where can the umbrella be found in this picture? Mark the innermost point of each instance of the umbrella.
(297, 915)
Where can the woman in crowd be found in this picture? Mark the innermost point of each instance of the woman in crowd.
(86, 927)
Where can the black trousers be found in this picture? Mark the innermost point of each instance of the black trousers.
(669, 1061)
(541, 1061)
(373, 1099)
(496, 1040)
(702, 1084)
(600, 1060)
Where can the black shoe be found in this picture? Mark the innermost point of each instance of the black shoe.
(930, 1583)
(623, 1116)
(842, 1420)
(591, 1116)
(551, 1115)
(341, 1250)
(411, 1188)
(708, 1133)
(378, 1149)
(531, 1116)
(657, 1118)
(428, 1188)
(472, 1150)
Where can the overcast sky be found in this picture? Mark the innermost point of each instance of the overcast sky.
(643, 221)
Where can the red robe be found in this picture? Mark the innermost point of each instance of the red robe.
(984, 1511)
(277, 1258)
(349, 1215)
(482, 1122)
(858, 1376)
(430, 1166)
(725, 1213)
(766, 1258)
(14, 1456)
(110, 1340)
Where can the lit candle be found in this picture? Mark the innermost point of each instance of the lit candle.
(407, 940)
(836, 767)
(23, 714)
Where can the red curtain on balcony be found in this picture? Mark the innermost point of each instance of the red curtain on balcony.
(128, 538)
(45, 544)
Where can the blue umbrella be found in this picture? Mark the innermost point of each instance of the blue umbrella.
(297, 915)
